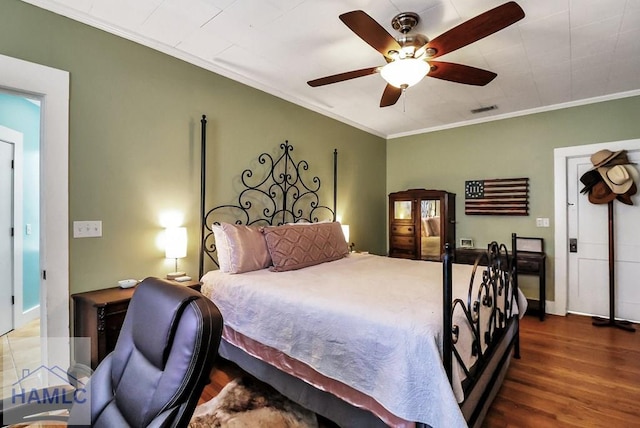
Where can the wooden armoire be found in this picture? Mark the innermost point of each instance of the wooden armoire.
(421, 222)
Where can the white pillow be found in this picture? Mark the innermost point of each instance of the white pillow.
(240, 248)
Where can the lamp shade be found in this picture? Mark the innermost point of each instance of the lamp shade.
(406, 72)
(345, 232)
(176, 242)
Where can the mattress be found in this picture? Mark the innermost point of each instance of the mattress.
(373, 323)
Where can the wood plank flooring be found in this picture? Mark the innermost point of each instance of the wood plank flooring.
(571, 374)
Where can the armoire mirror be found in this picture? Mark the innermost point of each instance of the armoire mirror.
(430, 229)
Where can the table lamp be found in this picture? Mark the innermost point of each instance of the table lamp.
(175, 248)
(345, 232)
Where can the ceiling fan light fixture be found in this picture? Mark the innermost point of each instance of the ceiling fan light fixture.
(405, 72)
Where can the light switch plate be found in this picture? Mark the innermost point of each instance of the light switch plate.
(542, 222)
(87, 229)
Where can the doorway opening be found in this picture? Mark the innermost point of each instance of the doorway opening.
(20, 144)
(51, 87)
(20, 249)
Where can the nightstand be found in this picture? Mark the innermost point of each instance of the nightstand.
(99, 315)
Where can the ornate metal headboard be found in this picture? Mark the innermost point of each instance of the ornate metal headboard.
(279, 193)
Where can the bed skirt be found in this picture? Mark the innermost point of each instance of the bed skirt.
(316, 400)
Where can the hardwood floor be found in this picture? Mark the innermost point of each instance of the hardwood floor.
(571, 374)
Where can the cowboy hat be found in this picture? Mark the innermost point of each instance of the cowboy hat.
(601, 194)
(589, 179)
(619, 178)
(625, 198)
(607, 157)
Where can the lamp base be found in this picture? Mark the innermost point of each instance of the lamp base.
(174, 275)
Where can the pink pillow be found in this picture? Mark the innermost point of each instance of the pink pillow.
(425, 227)
(240, 248)
(294, 247)
(434, 226)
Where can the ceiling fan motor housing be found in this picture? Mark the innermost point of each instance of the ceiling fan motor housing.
(404, 23)
(410, 44)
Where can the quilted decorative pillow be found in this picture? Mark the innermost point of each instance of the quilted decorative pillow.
(425, 227)
(294, 247)
(434, 226)
(240, 248)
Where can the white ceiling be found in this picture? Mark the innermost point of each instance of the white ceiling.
(564, 52)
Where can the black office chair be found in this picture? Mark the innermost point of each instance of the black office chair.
(158, 369)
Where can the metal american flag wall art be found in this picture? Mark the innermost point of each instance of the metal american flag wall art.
(504, 196)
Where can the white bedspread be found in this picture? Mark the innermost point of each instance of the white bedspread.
(371, 322)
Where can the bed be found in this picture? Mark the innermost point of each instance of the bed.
(430, 237)
(361, 339)
(430, 246)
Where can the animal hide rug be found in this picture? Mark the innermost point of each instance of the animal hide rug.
(248, 403)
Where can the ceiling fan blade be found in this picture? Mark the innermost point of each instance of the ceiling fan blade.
(370, 31)
(460, 73)
(343, 76)
(390, 96)
(476, 28)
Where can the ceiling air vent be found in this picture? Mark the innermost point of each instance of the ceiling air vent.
(483, 109)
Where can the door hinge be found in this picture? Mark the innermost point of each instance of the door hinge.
(12, 161)
(44, 274)
(13, 300)
(12, 231)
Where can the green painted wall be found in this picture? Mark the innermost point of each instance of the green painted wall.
(516, 147)
(134, 145)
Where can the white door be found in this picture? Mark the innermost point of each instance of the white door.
(588, 267)
(6, 237)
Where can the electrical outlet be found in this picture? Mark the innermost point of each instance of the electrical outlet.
(538, 222)
(87, 229)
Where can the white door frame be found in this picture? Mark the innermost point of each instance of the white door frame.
(14, 137)
(51, 86)
(560, 160)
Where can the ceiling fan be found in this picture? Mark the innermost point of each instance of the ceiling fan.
(410, 57)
